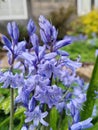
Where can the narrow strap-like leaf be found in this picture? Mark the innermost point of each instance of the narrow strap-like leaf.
(53, 118)
(89, 104)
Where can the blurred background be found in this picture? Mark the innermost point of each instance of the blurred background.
(60, 12)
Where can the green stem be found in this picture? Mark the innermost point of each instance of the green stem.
(12, 109)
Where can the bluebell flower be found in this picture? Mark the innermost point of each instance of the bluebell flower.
(28, 57)
(23, 96)
(73, 38)
(6, 42)
(37, 80)
(14, 51)
(30, 82)
(31, 28)
(49, 35)
(24, 128)
(61, 44)
(50, 95)
(48, 32)
(9, 80)
(48, 68)
(36, 116)
(13, 32)
(32, 127)
(32, 104)
(60, 106)
(28, 87)
(62, 53)
(19, 49)
(82, 125)
(96, 54)
(35, 42)
(50, 56)
(42, 52)
(73, 65)
(74, 106)
(80, 37)
(41, 81)
(67, 78)
(8, 47)
(72, 111)
(79, 97)
(80, 82)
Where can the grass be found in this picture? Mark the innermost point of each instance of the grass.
(83, 49)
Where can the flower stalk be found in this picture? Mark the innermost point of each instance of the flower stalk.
(11, 105)
(11, 109)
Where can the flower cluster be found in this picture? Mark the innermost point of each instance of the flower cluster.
(43, 70)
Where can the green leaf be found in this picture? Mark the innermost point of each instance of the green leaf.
(95, 120)
(3, 91)
(5, 105)
(53, 118)
(89, 104)
(62, 121)
(19, 113)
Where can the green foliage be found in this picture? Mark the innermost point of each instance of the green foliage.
(5, 111)
(4, 100)
(22, 33)
(83, 49)
(86, 24)
(53, 118)
(60, 19)
(5, 105)
(63, 122)
(95, 127)
(18, 120)
(89, 104)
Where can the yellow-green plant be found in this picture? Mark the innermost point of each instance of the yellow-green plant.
(86, 24)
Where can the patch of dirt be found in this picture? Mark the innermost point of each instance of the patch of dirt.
(85, 72)
(3, 60)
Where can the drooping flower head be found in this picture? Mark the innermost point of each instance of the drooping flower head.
(37, 117)
(31, 28)
(47, 31)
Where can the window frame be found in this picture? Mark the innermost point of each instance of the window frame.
(15, 17)
(81, 10)
(92, 4)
